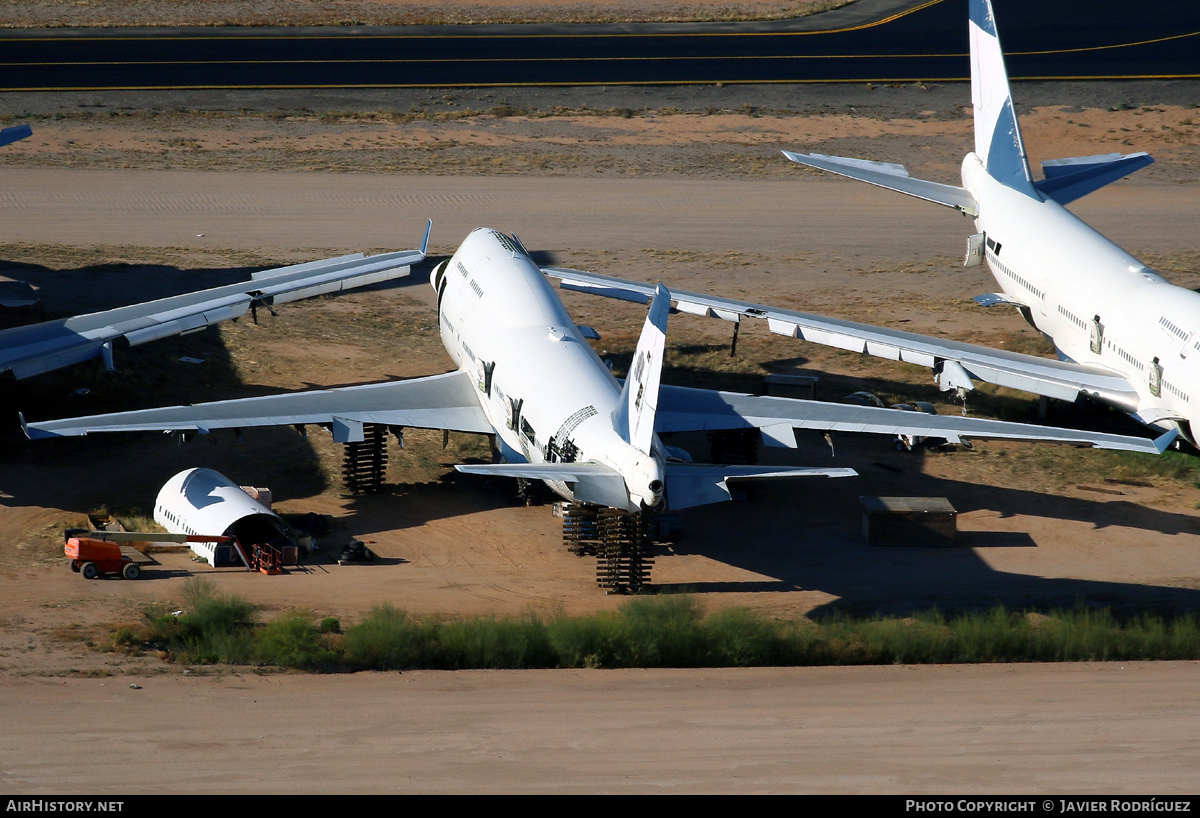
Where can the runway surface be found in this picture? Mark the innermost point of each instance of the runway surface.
(872, 40)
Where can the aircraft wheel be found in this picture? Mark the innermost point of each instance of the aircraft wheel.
(131, 571)
(88, 569)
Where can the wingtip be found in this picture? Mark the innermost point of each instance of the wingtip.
(31, 434)
(425, 240)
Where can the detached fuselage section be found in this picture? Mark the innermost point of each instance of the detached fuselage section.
(202, 502)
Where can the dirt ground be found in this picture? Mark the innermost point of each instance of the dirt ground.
(167, 195)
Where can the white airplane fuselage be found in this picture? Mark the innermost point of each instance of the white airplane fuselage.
(1098, 304)
(547, 394)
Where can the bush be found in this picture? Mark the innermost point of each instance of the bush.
(658, 631)
(387, 639)
(292, 640)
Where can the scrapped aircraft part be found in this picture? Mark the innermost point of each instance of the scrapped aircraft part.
(364, 464)
(581, 528)
(356, 551)
(198, 502)
(623, 561)
(734, 447)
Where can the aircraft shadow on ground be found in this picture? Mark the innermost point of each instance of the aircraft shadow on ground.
(806, 536)
(125, 471)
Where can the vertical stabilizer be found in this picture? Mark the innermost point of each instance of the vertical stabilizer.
(634, 416)
(997, 135)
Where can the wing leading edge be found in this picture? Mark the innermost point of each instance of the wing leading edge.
(684, 409)
(438, 402)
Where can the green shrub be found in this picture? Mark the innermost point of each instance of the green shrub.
(292, 640)
(388, 639)
(652, 631)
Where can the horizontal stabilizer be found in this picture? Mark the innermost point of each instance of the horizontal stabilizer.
(15, 134)
(1070, 179)
(992, 299)
(890, 176)
(691, 485)
(588, 482)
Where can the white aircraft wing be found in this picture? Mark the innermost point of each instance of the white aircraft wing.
(38, 348)
(956, 365)
(438, 402)
(683, 409)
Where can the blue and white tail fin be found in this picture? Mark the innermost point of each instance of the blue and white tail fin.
(998, 142)
(634, 416)
(997, 135)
